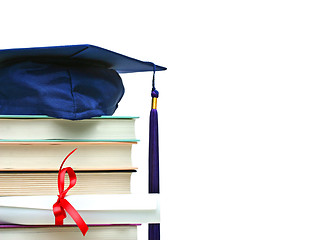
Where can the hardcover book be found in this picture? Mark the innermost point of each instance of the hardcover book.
(47, 155)
(28, 183)
(105, 128)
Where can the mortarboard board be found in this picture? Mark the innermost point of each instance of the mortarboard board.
(71, 82)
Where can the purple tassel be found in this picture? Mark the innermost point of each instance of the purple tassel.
(154, 186)
(154, 183)
(154, 231)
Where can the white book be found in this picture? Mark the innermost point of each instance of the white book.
(106, 128)
(94, 209)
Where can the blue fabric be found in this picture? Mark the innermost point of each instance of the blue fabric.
(69, 90)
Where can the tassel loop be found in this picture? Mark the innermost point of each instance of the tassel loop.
(154, 92)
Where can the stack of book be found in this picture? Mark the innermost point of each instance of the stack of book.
(32, 149)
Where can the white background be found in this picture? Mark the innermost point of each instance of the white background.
(234, 105)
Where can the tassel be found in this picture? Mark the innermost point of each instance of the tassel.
(154, 183)
(154, 186)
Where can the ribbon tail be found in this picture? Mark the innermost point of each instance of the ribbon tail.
(75, 216)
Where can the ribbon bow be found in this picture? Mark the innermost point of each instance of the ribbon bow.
(62, 204)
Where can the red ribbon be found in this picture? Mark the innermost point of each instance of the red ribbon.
(62, 204)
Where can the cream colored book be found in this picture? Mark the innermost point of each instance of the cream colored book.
(48, 155)
(25, 183)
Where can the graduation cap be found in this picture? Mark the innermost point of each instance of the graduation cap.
(71, 82)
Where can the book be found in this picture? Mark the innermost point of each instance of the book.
(48, 155)
(24, 183)
(94, 209)
(105, 128)
(95, 232)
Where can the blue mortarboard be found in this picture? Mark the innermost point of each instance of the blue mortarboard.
(71, 82)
